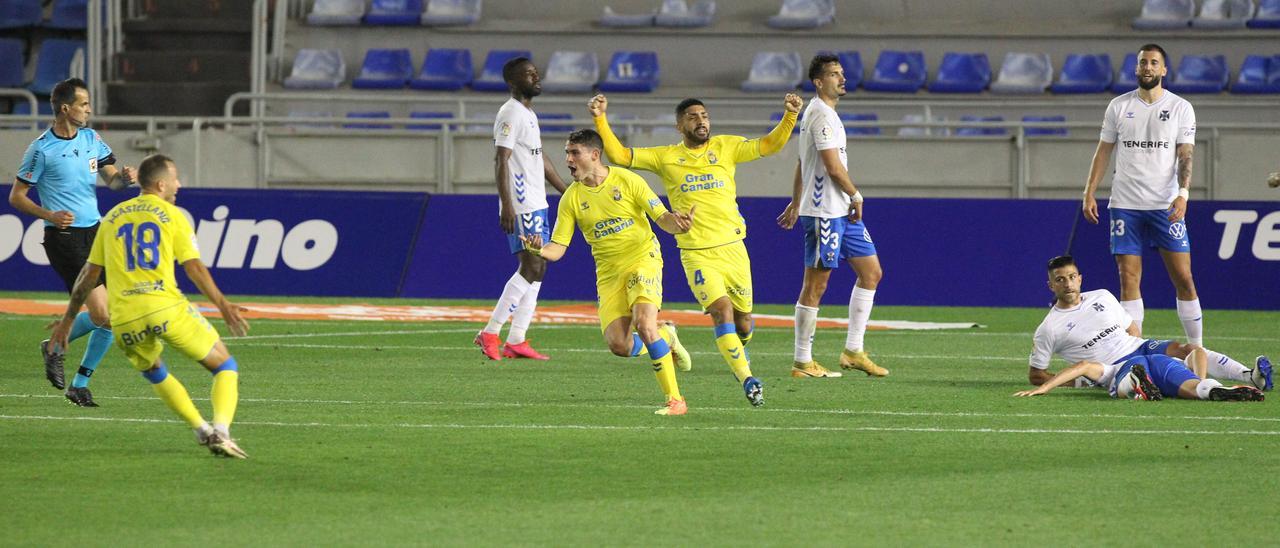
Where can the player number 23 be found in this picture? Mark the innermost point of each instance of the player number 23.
(141, 248)
(1117, 227)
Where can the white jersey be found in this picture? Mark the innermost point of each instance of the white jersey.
(1096, 330)
(517, 129)
(1146, 139)
(821, 129)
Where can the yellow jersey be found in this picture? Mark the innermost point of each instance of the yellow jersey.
(704, 177)
(611, 216)
(137, 244)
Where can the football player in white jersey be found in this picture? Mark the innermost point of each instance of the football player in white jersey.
(521, 171)
(1092, 327)
(1155, 134)
(829, 208)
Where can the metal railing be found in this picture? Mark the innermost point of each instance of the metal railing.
(30, 98)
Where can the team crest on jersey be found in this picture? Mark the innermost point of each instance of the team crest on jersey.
(506, 129)
(1164, 116)
(1071, 325)
(711, 157)
(1098, 307)
(585, 206)
(825, 131)
(617, 194)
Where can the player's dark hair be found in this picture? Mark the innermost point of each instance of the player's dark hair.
(685, 104)
(509, 70)
(819, 62)
(64, 93)
(587, 137)
(1164, 57)
(152, 169)
(1061, 261)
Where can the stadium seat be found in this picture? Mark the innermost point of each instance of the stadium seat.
(69, 15)
(317, 69)
(57, 61)
(1267, 17)
(803, 14)
(964, 131)
(491, 75)
(1165, 14)
(336, 12)
(1126, 80)
(632, 71)
(1045, 131)
(430, 116)
(1223, 14)
(394, 12)
(1084, 73)
(853, 131)
(371, 115)
(613, 19)
(909, 131)
(444, 69)
(550, 128)
(1024, 73)
(11, 63)
(962, 73)
(1200, 74)
(677, 13)
(850, 61)
(16, 14)
(384, 69)
(1258, 74)
(23, 108)
(571, 71)
(310, 114)
(774, 71)
(899, 71)
(441, 13)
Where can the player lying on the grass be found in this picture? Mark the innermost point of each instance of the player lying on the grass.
(609, 204)
(1093, 327)
(139, 241)
(1152, 378)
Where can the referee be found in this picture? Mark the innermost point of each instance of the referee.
(63, 165)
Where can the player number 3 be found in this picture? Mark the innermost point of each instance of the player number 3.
(146, 252)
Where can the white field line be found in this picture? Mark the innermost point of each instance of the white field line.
(851, 412)
(878, 429)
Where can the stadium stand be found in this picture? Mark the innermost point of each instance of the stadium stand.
(430, 115)
(444, 69)
(554, 128)
(58, 60)
(897, 71)
(571, 71)
(297, 113)
(11, 63)
(17, 14)
(1126, 79)
(491, 75)
(1267, 16)
(1258, 74)
(610, 18)
(851, 62)
(336, 12)
(803, 14)
(981, 131)
(1165, 14)
(774, 71)
(317, 69)
(1084, 73)
(68, 15)
(1201, 74)
(441, 13)
(962, 73)
(677, 13)
(855, 131)
(384, 69)
(634, 71)
(394, 13)
(1223, 14)
(1045, 131)
(1024, 73)
(368, 114)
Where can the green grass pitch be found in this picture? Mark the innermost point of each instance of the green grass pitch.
(371, 433)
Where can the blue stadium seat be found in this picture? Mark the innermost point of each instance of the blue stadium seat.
(1024, 73)
(11, 63)
(43, 109)
(317, 69)
(1258, 74)
(774, 71)
(491, 75)
(616, 20)
(676, 13)
(441, 13)
(1267, 17)
(981, 131)
(430, 116)
(899, 71)
(571, 71)
(16, 14)
(444, 69)
(1223, 14)
(1165, 14)
(550, 128)
(854, 131)
(1045, 131)
(1084, 73)
(632, 71)
(803, 14)
(1126, 80)
(850, 61)
(394, 12)
(1201, 74)
(384, 69)
(370, 115)
(336, 12)
(69, 15)
(58, 60)
(962, 73)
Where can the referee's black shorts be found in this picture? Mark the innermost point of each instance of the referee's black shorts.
(68, 249)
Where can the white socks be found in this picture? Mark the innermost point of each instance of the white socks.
(1192, 324)
(860, 302)
(1135, 310)
(1223, 367)
(512, 294)
(806, 323)
(524, 314)
(1202, 389)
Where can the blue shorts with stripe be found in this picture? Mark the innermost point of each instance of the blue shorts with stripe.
(1132, 230)
(530, 224)
(1168, 374)
(827, 241)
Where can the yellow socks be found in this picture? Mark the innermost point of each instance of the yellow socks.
(732, 351)
(664, 368)
(174, 395)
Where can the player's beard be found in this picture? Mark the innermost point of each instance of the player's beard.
(695, 139)
(1149, 84)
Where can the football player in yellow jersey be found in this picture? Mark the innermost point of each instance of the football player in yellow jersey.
(699, 171)
(608, 205)
(137, 244)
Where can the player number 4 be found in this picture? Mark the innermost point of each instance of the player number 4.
(141, 248)
(697, 277)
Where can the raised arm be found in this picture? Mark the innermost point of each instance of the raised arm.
(1101, 158)
(613, 148)
(204, 282)
(1093, 370)
(776, 139)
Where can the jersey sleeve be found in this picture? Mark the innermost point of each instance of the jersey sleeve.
(184, 240)
(566, 219)
(823, 132)
(648, 158)
(32, 165)
(105, 156)
(1110, 127)
(649, 202)
(744, 150)
(505, 129)
(1041, 349)
(1187, 126)
(98, 252)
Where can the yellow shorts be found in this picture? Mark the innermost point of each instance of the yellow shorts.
(180, 325)
(717, 272)
(641, 282)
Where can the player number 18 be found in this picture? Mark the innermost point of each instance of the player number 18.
(141, 248)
